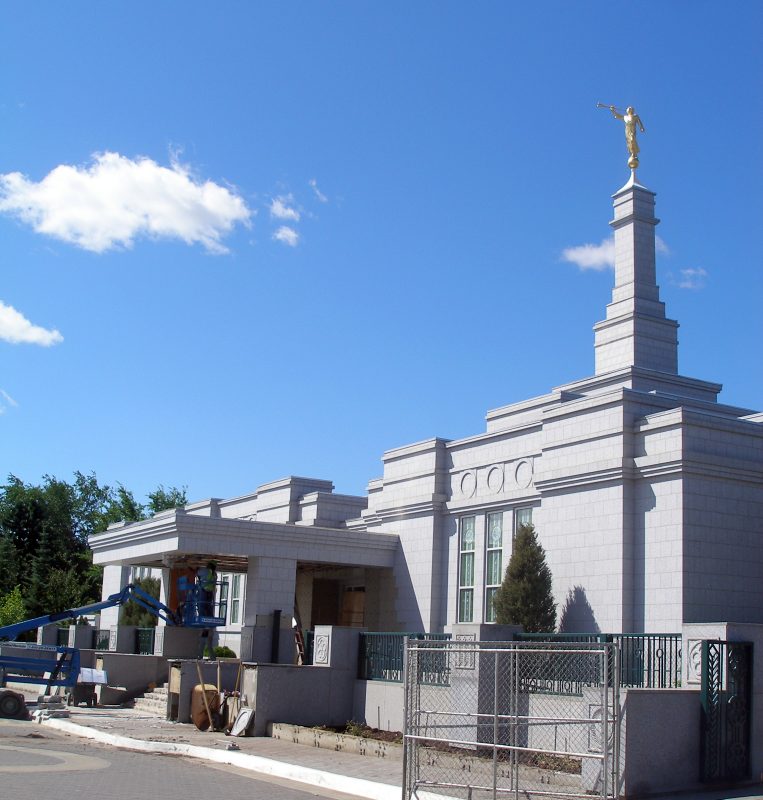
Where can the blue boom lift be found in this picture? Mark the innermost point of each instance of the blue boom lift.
(196, 610)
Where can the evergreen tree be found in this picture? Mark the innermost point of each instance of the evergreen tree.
(525, 597)
(38, 596)
(10, 569)
(22, 512)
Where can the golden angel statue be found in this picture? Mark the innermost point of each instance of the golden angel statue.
(631, 120)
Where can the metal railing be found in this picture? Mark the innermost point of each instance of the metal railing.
(62, 637)
(381, 657)
(309, 647)
(647, 660)
(102, 638)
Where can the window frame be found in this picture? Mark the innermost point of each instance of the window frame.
(235, 598)
(465, 596)
(519, 513)
(497, 552)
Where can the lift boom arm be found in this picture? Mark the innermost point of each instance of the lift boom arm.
(130, 592)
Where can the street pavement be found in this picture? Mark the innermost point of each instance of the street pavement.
(368, 778)
(37, 762)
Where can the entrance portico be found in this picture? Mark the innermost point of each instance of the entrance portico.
(281, 560)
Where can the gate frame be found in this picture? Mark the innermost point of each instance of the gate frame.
(716, 692)
(609, 693)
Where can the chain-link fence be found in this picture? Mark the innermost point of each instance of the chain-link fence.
(515, 719)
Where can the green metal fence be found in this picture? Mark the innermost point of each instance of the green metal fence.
(648, 660)
(380, 657)
(144, 641)
(309, 647)
(102, 639)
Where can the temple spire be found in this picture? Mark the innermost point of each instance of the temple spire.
(635, 332)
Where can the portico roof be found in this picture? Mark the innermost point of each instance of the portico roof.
(177, 537)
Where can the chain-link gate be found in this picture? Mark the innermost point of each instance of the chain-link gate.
(493, 719)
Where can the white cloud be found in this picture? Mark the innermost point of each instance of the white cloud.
(660, 246)
(602, 256)
(318, 193)
(281, 208)
(287, 235)
(116, 200)
(17, 329)
(6, 401)
(691, 278)
(592, 256)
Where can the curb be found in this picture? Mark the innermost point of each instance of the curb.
(360, 787)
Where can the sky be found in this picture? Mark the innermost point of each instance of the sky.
(246, 240)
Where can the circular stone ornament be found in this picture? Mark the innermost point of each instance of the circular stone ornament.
(468, 483)
(523, 474)
(495, 478)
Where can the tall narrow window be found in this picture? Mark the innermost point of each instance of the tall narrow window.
(493, 562)
(235, 598)
(222, 595)
(522, 516)
(466, 571)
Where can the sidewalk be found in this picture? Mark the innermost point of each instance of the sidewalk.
(368, 777)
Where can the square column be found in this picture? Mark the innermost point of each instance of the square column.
(115, 578)
(270, 586)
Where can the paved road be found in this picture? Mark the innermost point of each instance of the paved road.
(36, 762)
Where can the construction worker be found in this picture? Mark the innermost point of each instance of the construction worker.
(207, 579)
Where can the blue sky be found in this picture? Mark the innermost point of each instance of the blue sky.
(244, 240)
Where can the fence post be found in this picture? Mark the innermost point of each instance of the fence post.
(495, 724)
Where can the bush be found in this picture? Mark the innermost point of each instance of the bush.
(221, 651)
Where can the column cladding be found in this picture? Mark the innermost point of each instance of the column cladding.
(636, 332)
(270, 585)
(115, 578)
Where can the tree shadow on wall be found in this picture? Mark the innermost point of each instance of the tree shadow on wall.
(577, 615)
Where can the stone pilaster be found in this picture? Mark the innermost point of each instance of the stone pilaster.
(636, 332)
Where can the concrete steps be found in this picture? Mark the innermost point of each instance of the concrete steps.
(153, 702)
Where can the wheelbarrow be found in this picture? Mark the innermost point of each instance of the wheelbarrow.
(82, 693)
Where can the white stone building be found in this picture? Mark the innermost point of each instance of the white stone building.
(646, 492)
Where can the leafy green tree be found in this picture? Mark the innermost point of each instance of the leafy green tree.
(94, 507)
(525, 598)
(161, 499)
(124, 506)
(12, 608)
(44, 534)
(133, 614)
